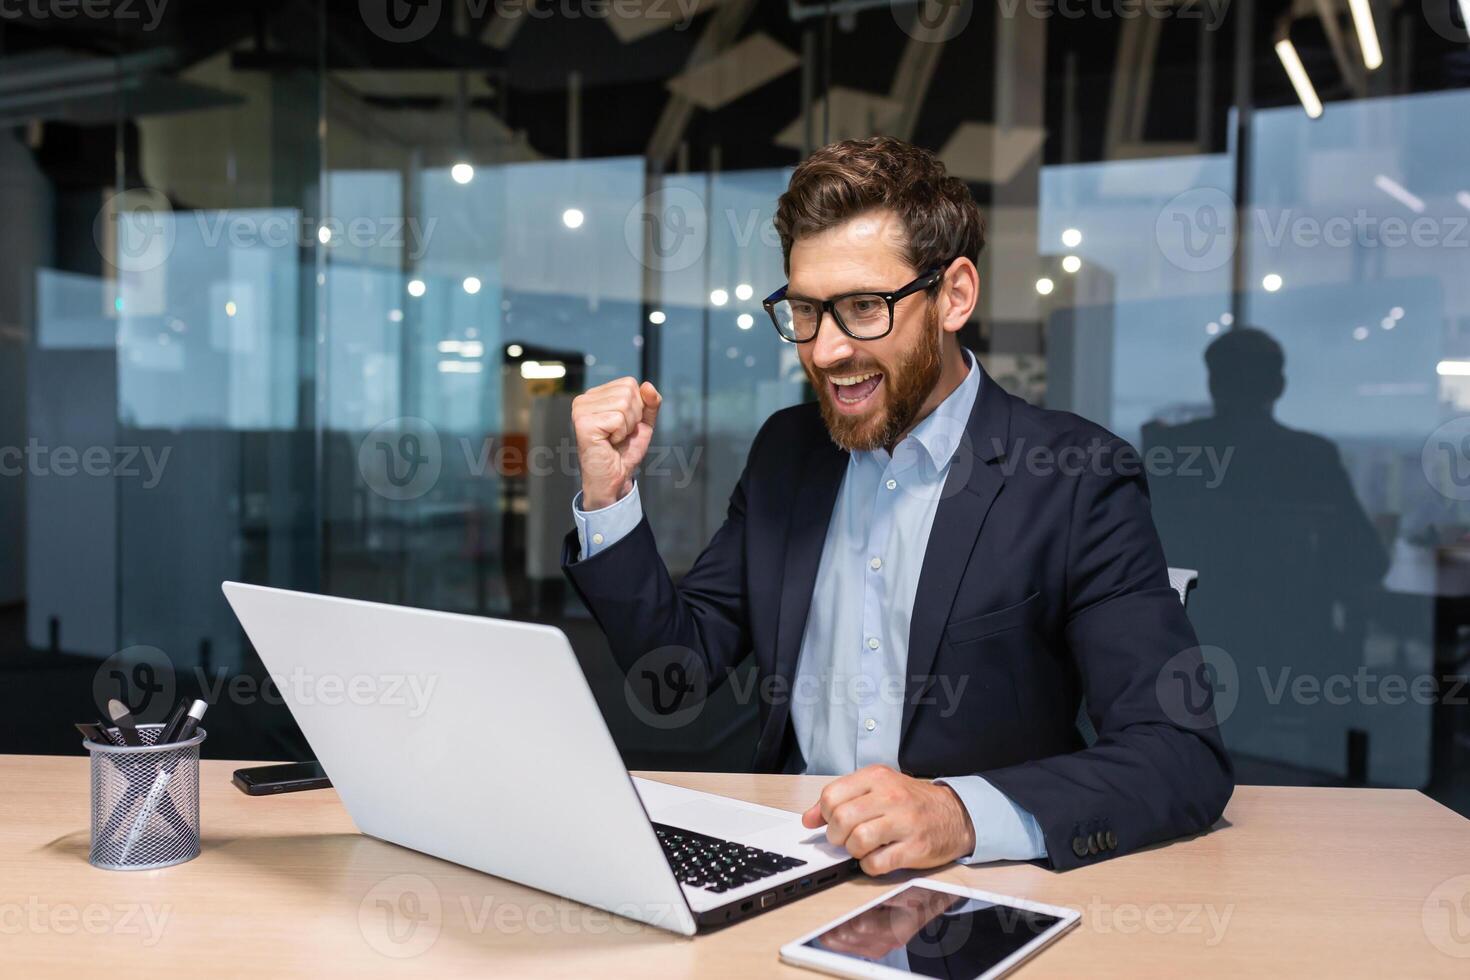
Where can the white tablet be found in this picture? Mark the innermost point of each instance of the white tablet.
(931, 928)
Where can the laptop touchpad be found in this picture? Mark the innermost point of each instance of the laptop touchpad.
(711, 817)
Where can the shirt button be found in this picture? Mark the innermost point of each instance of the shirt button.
(872, 643)
(597, 539)
(891, 484)
(870, 724)
(875, 564)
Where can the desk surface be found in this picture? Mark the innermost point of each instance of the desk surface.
(1295, 881)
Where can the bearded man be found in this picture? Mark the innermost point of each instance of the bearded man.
(954, 571)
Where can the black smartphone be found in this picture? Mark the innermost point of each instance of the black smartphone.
(292, 777)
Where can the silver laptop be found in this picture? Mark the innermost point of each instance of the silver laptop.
(478, 741)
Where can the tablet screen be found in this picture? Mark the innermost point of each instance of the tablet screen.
(934, 934)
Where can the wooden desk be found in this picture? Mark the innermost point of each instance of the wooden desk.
(1296, 881)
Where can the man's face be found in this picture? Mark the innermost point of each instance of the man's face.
(870, 390)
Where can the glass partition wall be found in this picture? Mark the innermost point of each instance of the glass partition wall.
(299, 293)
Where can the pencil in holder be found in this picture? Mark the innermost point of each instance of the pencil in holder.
(145, 802)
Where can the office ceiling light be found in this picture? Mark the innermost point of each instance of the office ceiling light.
(1367, 33)
(1071, 238)
(573, 218)
(514, 350)
(1212, 328)
(743, 291)
(1270, 282)
(543, 370)
(1399, 193)
(1453, 369)
(416, 288)
(471, 285)
(324, 235)
(719, 297)
(1360, 333)
(472, 348)
(1463, 198)
(745, 321)
(656, 317)
(449, 347)
(1387, 323)
(462, 173)
(1286, 51)
(1071, 263)
(230, 308)
(1226, 319)
(395, 316)
(1044, 286)
(1397, 312)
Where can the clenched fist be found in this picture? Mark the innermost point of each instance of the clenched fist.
(614, 425)
(889, 821)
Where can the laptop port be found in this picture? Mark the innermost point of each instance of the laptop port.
(788, 889)
(826, 878)
(806, 883)
(746, 906)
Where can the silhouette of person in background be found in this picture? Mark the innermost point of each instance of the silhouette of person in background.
(1284, 550)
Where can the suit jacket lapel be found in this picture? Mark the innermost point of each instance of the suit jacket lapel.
(970, 488)
(811, 512)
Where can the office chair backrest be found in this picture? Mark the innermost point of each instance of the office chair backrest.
(1182, 580)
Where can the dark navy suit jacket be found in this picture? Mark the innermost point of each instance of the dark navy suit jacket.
(1043, 582)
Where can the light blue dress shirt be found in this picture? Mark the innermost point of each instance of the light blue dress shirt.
(848, 692)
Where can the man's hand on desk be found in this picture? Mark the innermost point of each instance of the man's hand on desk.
(889, 821)
(614, 425)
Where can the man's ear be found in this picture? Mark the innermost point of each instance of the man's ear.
(959, 292)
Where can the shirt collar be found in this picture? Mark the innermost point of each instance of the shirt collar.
(940, 433)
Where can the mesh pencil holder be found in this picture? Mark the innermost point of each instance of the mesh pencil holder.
(145, 802)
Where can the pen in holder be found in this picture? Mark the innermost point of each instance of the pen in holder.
(145, 802)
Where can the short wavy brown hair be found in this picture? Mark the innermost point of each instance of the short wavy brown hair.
(842, 180)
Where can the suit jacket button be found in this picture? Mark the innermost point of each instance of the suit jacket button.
(1092, 846)
(1112, 840)
(1079, 846)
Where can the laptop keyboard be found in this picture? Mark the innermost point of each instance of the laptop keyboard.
(718, 865)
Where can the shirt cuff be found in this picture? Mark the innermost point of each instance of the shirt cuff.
(600, 529)
(1003, 831)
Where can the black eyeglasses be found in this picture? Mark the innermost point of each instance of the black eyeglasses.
(862, 316)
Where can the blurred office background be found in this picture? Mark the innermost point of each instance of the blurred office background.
(298, 292)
